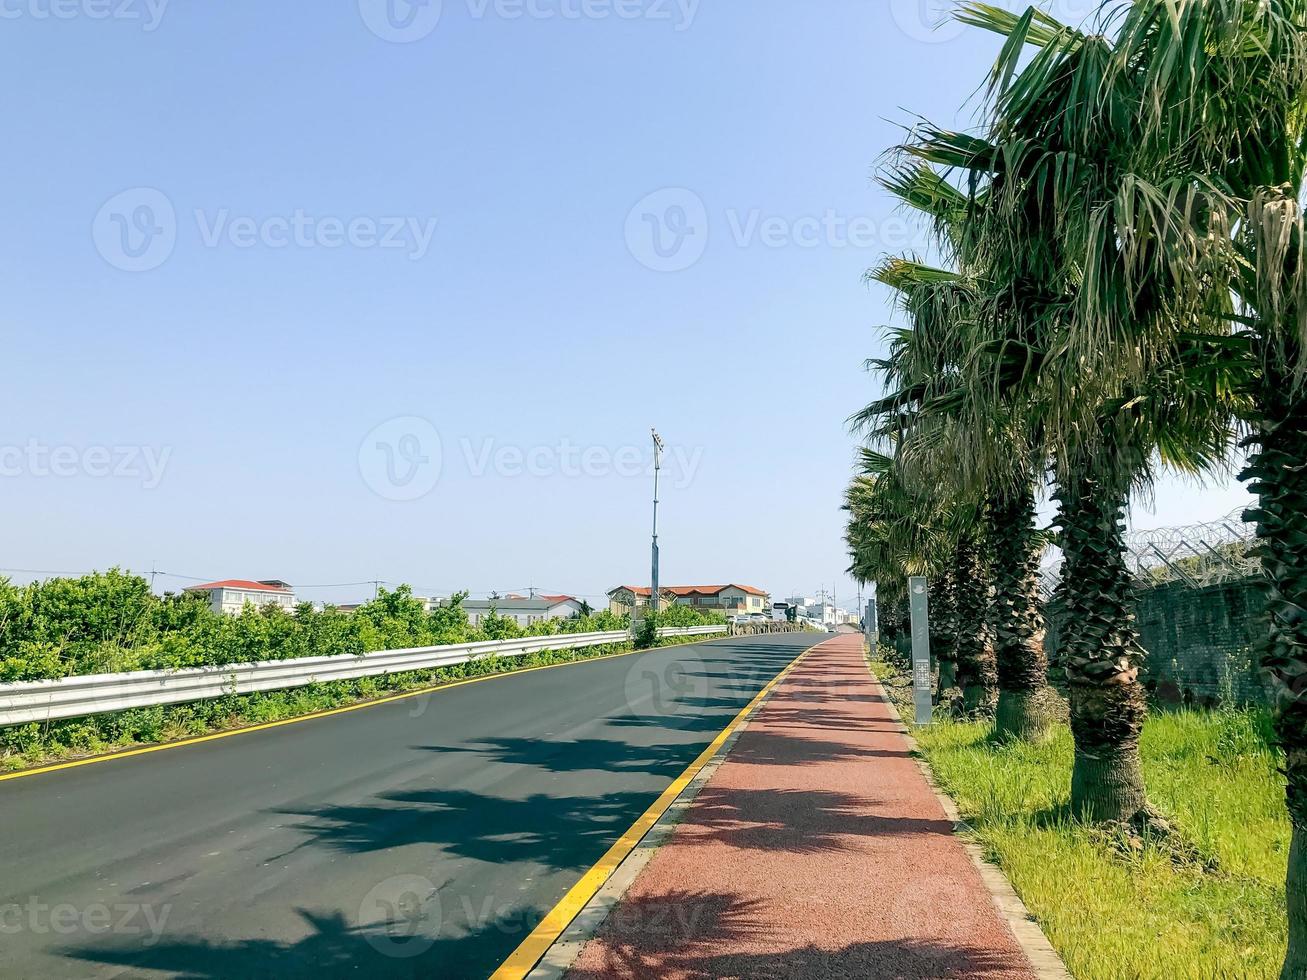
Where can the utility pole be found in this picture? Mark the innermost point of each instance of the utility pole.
(658, 461)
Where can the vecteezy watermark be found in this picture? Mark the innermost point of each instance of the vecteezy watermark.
(402, 459)
(401, 916)
(669, 230)
(137, 230)
(572, 461)
(148, 13)
(40, 461)
(400, 21)
(667, 691)
(406, 21)
(934, 21)
(96, 919)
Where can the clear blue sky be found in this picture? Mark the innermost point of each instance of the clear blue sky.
(257, 367)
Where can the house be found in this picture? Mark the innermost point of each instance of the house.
(230, 595)
(733, 600)
(524, 610)
(429, 604)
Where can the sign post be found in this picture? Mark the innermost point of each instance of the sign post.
(869, 623)
(919, 608)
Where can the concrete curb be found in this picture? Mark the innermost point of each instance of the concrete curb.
(563, 953)
(1029, 936)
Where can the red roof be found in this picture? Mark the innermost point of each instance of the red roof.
(236, 583)
(689, 590)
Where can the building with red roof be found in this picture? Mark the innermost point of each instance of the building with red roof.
(231, 595)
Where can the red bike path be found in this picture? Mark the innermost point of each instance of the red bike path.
(817, 849)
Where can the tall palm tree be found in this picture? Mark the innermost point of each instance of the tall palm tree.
(999, 651)
(1224, 85)
(895, 532)
(1086, 332)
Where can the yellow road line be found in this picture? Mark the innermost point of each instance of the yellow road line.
(146, 750)
(523, 959)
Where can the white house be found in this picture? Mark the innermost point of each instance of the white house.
(230, 595)
(525, 610)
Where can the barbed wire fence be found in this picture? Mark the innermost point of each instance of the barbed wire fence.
(1198, 555)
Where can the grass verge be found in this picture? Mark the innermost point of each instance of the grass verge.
(1111, 911)
(34, 745)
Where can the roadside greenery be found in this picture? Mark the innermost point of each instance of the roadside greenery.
(112, 622)
(1116, 905)
(674, 617)
(1117, 284)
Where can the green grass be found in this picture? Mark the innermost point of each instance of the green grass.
(1114, 914)
(28, 746)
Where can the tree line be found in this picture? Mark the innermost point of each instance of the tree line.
(108, 622)
(1117, 285)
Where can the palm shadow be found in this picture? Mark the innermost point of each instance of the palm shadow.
(765, 820)
(333, 947)
(689, 934)
(560, 833)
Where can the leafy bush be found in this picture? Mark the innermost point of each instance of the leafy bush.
(110, 621)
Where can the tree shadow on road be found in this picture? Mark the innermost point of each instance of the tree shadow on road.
(555, 832)
(641, 940)
(765, 820)
(333, 947)
(580, 755)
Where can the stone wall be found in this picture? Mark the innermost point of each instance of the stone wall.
(1200, 642)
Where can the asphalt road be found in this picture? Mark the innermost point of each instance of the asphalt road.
(426, 837)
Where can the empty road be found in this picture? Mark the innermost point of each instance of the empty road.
(425, 837)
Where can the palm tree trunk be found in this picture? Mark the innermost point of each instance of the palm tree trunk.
(977, 670)
(1025, 701)
(1102, 652)
(1278, 472)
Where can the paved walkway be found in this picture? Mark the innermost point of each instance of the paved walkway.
(816, 850)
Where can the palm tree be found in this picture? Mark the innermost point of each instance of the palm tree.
(1225, 88)
(1000, 645)
(893, 533)
(1084, 338)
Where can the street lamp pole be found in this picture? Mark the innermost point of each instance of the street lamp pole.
(653, 585)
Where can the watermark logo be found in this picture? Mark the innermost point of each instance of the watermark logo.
(667, 231)
(136, 230)
(401, 459)
(148, 13)
(38, 460)
(927, 21)
(934, 21)
(96, 919)
(401, 916)
(401, 21)
(667, 691)
(406, 21)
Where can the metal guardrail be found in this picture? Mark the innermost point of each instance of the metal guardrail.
(74, 697)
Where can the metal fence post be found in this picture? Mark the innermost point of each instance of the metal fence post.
(920, 610)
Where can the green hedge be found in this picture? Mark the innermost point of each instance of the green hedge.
(111, 621)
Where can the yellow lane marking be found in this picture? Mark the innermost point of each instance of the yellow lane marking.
(523, 959)
(146, 750)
